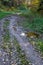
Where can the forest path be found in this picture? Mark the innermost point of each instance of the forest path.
(16, 30)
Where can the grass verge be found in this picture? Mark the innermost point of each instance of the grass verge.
(3, 14)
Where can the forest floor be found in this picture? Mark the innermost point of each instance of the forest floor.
(20, 52)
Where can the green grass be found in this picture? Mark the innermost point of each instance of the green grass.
(39, 45)
(3, 14)
(33, 21)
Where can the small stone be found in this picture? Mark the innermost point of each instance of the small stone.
(3, 59)
(12, 64)
(4, 62)
(33, 64)
(0, 53)
(11, 52)
(7, 60)
(29, 63)
(22, 34)
(11, 43)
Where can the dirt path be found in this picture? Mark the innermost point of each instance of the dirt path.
(7, 56)
(25, 45)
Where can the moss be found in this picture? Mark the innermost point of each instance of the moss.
(33, 34)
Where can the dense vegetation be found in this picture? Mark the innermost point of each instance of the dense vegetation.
(22, 4)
